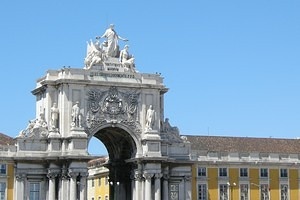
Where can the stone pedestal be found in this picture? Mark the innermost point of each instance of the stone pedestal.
(151, 144)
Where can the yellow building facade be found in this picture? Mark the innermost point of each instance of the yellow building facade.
(98, 182)
(233, 168)
(6, 180)
(6, 168)
(207, 184)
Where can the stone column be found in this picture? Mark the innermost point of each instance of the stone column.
(133, 190)
(51, 190)
(138, 184)
(73, 185)
(148, 193)
(157, 186)
(19, 190)
(165, 187)
(187, 187)
(83, 194)
(64, 185)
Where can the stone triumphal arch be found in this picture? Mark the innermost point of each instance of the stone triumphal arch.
(107, 99)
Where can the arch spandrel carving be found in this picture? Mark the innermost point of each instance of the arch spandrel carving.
(110, 105)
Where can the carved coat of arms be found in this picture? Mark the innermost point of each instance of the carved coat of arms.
(112, 106)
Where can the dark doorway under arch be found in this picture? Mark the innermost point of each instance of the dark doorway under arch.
(120, 147)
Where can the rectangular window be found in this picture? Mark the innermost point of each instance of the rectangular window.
(284, 192)
(2, 190)
(223, 192)
(2, 169)
(34, 193)
(202, 171)
(202, 192)
(264, 192)
(93, 182)
(243, 172)
(223, 172)
(283, 173)
(264, 173)
(99, 181)
(106, 180)
(244, 191)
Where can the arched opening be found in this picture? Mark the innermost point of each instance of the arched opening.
(96, 147)
(121, 147)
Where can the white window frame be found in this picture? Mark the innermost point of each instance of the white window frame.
(202, 189)
(247, 171)
(262, 189)
(223, 168)
(280, 173)
(202, 170)
(226, 186)
(260, 173)
(3, 167)
(287, 187)
(5, 189)
(34, 191)
(248, 191)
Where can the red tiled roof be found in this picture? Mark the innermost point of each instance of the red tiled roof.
(5, 140)
(98, 161)
(244, 144)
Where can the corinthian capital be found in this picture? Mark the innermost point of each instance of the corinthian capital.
(20, 177)
(148, 176)
(158, 175)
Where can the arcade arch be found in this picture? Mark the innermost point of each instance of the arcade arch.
(122, 146)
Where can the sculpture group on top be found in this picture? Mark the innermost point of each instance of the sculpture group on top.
(36, 128)
(100, 53)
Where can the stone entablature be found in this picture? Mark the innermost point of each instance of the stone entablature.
(255, 158)
(75, 75)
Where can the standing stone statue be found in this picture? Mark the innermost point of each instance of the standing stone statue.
(112, 48)
(149, 118)
(54, 116)
(76, 117)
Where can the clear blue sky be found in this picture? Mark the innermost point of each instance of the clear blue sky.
(233, 67)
